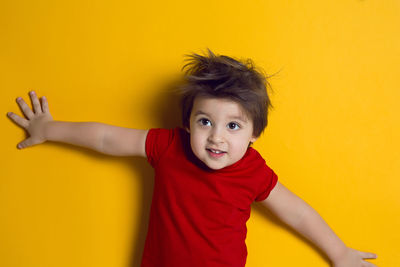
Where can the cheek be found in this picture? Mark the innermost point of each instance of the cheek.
(196, 142)
(239, 146)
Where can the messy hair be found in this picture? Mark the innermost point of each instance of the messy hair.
(221, 76)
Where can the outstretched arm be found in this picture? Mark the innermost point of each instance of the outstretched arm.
(296, 213)
(107, 139)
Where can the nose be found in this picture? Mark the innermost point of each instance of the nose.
(216, 135)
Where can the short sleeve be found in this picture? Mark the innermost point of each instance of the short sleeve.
(270, 182)
(157, 142)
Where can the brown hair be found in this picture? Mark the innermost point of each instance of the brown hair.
(224, 77)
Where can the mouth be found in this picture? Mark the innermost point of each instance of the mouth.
(215, 153)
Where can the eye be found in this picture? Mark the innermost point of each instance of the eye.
(204, 121)
(233, 126)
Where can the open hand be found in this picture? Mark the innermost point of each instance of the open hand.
(35, 120)
(354, 258)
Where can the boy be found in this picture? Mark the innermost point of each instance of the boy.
(206, 173)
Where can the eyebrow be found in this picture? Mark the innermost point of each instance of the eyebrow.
(240, 118)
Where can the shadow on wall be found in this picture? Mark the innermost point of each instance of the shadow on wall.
(166, 111)
(257, 207)
(166, 106)
(146, 179)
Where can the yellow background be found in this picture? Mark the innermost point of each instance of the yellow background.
(333, 137)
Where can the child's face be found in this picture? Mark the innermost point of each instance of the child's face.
(220, 131)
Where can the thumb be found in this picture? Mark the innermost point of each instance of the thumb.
(26, 143)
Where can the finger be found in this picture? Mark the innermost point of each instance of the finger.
(18, 120)
(368, 255)
(368, 264)
(24, 107)
(26, 143)
(45, 105)
(35, 102)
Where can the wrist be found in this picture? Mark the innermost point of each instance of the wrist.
(48, 130)
(339, 254)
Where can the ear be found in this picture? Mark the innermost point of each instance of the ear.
(253, 139)
(187, 129)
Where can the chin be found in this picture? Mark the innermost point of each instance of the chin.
(212, 166)
(215, 166)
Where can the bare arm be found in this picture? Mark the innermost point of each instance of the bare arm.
(107, 139)
(85, 134)
(104, 138)
(119, 141)
(296, 213)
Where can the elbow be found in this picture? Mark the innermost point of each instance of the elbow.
(100, 138)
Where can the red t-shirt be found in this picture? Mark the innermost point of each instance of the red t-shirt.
(198, 215)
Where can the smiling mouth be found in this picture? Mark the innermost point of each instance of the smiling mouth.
(215, 153)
